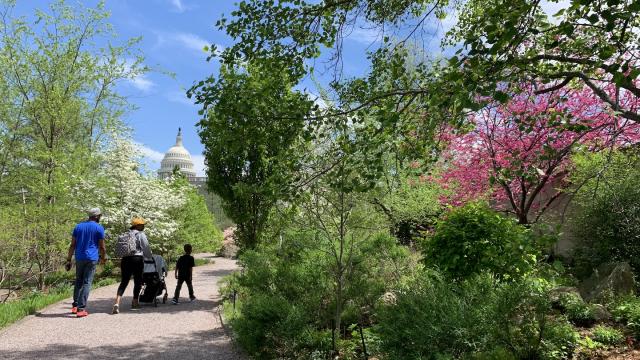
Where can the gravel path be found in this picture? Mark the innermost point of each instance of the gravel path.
(184, 331)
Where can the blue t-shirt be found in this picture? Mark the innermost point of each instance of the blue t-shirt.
(88, 235)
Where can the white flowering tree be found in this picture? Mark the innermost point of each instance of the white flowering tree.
(124, 191)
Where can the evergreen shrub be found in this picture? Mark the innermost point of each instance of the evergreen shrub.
(474, 238)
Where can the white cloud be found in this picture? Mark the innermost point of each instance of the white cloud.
(179, 97)
(186, 40)
(149, 154)
(178, 5)
(142, 83)
(198, 165)
(191, 41)
(365, 36)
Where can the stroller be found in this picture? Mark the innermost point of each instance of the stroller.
(155, 270)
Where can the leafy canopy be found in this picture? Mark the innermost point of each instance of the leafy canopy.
(252, 120)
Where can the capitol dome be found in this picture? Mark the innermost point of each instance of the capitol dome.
(177, 157)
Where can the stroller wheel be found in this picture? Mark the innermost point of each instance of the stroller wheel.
(155, 302)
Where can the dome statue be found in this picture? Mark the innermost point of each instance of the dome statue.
(176, 157)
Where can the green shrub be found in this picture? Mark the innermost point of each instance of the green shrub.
(577, 311)
(499, 353)
(479, 317)
(606, 223)
(287, 295)
(266, 321)
(473, 238)
(627, 310)
(560, 340)
(607, 335)
(434, 316)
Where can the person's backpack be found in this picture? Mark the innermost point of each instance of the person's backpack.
(126, 244)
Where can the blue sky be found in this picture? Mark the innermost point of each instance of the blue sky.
(173, 34)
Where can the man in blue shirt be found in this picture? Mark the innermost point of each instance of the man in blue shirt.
(87, 243)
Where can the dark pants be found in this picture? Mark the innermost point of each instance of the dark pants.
(131, 265)
(85, 269)
(179, 286)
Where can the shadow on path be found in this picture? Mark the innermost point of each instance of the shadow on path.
(105, 306)
(196, 345)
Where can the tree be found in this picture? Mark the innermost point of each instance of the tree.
(124, 192)
(519, 153)
(196, 224)
(605, 223)
(587, 43)
(58, 104)
(290, 35)
(252, 120)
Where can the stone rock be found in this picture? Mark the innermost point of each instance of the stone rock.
(609, 280)
(556, 295)
(600, 313)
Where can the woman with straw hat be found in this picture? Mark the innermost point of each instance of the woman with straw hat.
(133, 264)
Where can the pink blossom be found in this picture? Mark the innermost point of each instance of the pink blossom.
(517, 150)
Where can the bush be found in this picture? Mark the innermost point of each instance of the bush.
(607, 222)
(287, 297)
(479, 318)
(430, 311)
(627, 310)
(266, 322)
(607, 335)
(560, 340)
(473, 238)
(577, 311)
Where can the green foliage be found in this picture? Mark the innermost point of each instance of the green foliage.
(15, 310)
(252, 121)
(479, 317)
(411, 204)
(574, 47)
(473, 238)
(58, 108)
(607, 219)
(428, 311)
(627, 310)
(607, 335)
(577, 311)
(560, 340)
(196, 225)
(287, 298)
(589, 344)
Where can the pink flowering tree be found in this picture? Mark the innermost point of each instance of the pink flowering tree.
(517, 154)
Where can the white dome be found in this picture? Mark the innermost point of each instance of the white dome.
(176, 157)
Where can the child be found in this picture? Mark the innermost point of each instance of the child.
(184, 273)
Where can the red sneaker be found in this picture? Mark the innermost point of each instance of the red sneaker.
(82, 313)
(74, 310)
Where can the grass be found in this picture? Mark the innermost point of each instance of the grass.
(13, 311)
(200, 262)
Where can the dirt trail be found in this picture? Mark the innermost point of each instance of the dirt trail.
(184, 331)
